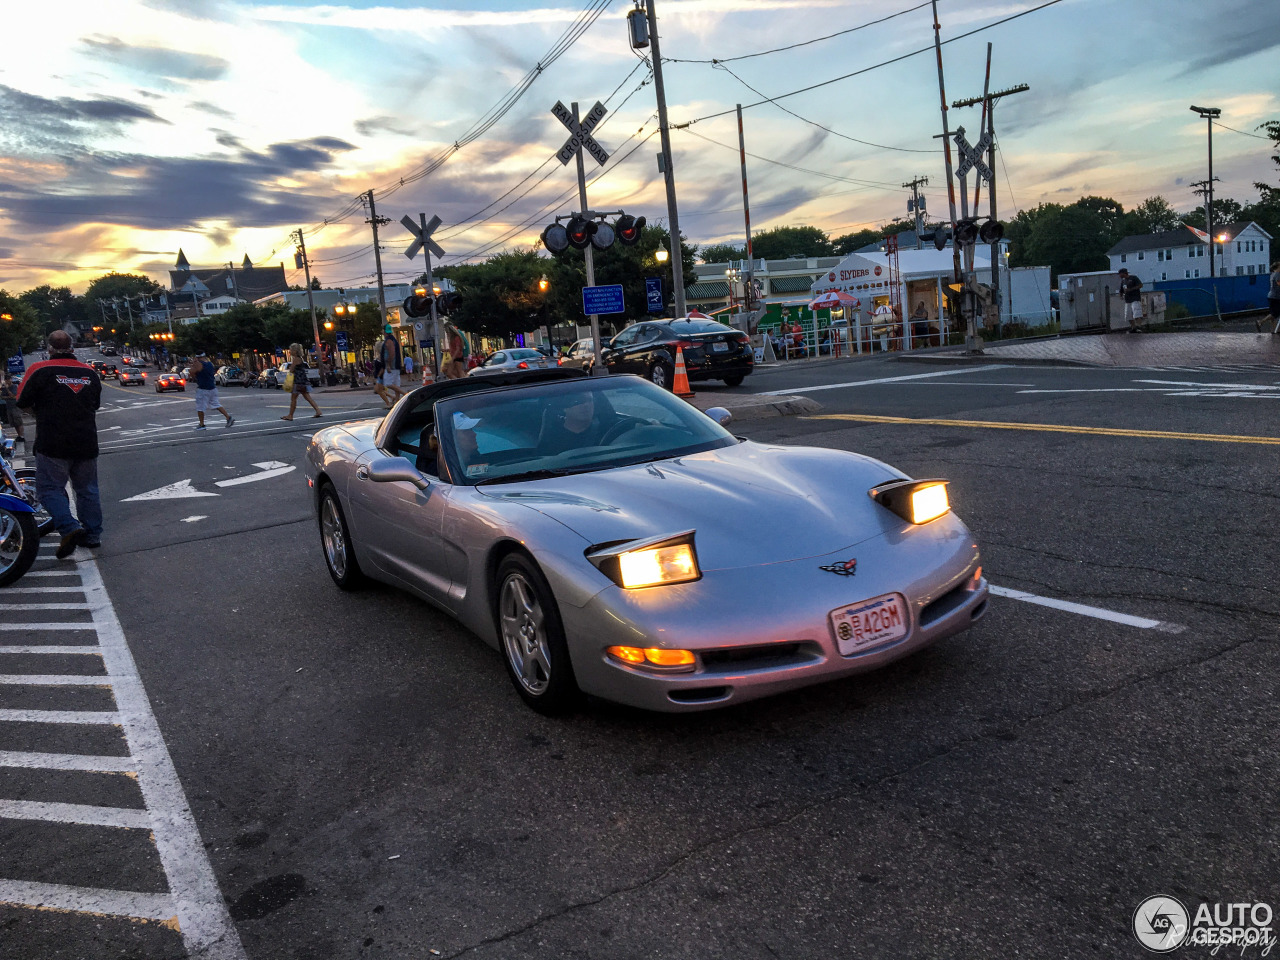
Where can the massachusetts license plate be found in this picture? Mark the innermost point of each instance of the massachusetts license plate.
(869, 623)
(719, 348)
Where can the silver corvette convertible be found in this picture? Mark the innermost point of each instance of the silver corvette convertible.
(608, 538)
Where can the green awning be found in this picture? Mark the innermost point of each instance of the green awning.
(707, 289)
(790, 284)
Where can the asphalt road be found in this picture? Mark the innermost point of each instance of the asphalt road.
(365, 783)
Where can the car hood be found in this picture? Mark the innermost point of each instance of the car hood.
(750, 503)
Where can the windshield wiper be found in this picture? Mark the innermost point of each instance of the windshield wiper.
(536, 475)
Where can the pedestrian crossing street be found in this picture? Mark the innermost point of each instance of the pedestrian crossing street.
(93, 819)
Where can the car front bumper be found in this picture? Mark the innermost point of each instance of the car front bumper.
(765, 630)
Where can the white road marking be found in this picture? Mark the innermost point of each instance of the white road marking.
(174, 491)
(81, 813)
(114, 903)
(194, 519)
(60, 716)
(1098, 613)
(66, 761)
(29, 648)
(44, 606)
(46, 626)
(207, 929)
(52, 573)
(269, 468)
(1210, 386)
(54, 680)
(869, 383)
(41, 589)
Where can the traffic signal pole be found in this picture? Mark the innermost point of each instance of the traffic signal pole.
(668, 172)
(311, 303)
(598, 364)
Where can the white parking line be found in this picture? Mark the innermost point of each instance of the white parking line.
(80, 813)
(870, 383)
(54, 680)
(59, 716)
(66, 761)
(45, 648)
(1098, 613)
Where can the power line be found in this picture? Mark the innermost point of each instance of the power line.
(876, 66)
(804, 43)
(877, 184)
(1256, 136)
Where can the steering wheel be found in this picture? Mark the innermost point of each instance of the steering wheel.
(618, 429)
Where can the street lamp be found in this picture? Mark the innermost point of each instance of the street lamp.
(661, 255)
(1209, 114)
(346, 312)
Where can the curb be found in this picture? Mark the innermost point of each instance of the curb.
(759, 408)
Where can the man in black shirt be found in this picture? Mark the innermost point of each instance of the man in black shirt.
(66, 394)
(1131, 291)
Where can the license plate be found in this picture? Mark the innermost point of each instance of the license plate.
(870, 623)
(719, 348)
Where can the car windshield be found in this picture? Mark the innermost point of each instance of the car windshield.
(523, 354)
(564, 427)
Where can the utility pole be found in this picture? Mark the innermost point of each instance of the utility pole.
(378, 221)
(1209, 114)
(914, 186)
(668, 171)
(970, 342)
(746, 214)
(989, 100)
(311, 302)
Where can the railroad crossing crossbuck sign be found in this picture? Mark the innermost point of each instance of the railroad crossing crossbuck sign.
(422, 236)
(580, 133)
(971, 156)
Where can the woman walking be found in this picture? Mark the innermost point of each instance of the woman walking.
(298, 370)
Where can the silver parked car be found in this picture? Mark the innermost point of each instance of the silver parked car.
(609, 538)
(518, 358)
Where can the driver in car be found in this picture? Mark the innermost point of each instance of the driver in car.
(572, 422)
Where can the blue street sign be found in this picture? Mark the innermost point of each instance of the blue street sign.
(653, 293)
(341, 337)
(606, 299)
(425, 344)
(15, 362)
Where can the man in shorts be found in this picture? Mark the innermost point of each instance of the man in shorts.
(207, 389)
(391, 368)
(1131, 291)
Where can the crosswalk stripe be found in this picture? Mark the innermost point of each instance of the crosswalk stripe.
(66, 761)
(51, 648)
(46, 626)
(113, 903)
(59, 716)
(45, 606)
(79, 813)
(54, 680)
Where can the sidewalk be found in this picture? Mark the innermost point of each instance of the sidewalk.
(1193, 348)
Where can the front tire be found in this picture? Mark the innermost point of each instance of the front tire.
(18, 545)
(532, 637)
(661, 373)
(335, 540)
(733, 381)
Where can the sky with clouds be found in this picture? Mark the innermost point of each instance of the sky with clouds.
(130, 128)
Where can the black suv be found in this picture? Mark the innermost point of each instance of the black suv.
(712, 351)
(107, 371)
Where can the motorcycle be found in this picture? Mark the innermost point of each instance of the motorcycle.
(21, 482)
(19, 539)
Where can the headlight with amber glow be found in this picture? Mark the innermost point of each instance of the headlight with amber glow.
(915, 501)
(649, 563)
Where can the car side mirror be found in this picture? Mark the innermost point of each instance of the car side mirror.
(397, 468)
(720, 415)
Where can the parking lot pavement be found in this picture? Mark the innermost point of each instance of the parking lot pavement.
(95, 828)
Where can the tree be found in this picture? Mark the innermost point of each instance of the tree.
(1072, 239)
(844, 245)
(55, 306)
(23, 331)
(724, 252)
(1152, 215)
(109, 286)
(1225, 210)
(781, 243)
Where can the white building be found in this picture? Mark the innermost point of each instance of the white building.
(216, 305)
(1242, 249)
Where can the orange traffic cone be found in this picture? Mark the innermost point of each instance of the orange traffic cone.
(680, 386)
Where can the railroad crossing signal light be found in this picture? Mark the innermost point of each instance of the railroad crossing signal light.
(555, 238)
(417, 305)
(991, 231)
(580, 231)
(628, 229)
(967, 231)
(602, 238)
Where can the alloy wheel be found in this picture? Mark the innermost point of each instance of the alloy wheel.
(335, 545)
(524, 634)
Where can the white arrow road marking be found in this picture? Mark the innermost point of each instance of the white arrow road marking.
(174, 491)
(195, 518)
(870, 383)
(269, 468)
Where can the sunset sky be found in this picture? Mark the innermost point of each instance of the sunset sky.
(130, 128)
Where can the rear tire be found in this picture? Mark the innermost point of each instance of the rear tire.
(335, 541)
(662, 374)
(733, 381)
(18, 545)
(531, 637)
